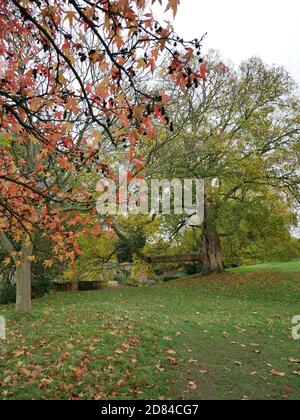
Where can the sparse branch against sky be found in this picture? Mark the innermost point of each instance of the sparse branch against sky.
(240, 29)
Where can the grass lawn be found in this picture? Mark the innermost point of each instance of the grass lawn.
(222, 337)
(287, 267)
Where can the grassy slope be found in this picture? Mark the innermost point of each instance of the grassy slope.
(158, 342)
(287, 267)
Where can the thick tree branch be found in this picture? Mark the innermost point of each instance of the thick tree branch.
(6, 244)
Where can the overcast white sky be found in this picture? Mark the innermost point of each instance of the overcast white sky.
(241, 29)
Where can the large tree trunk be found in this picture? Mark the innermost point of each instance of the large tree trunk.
(23, 279)
(211, 253)
(23, 270)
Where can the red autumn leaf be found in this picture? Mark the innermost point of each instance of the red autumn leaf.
(223, 68)
(63, 161)
(157, 112)
(129, 177)
(203, 71)
(139, 165)
(44, 212)
(77, 250)
(165, 98)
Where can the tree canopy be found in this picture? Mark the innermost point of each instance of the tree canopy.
(71, 80)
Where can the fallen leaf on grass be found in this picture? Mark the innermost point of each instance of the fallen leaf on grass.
(203, 371)
(172, 360)
(5, 394)
(108, 368)
(70, 346)
(159, 368)
(296, 372)
(7, 380)
(192, 385)
(64, 357)
(19, 353)
(66, 387)
(78, 372)
(287, 390)
(24, 372)
(294, 360)
(96, 374)
(45, 383)
(172, 352)
(120, 383)
(276, 372)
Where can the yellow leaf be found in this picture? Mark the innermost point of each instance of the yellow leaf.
(70, 15)
(6, 261)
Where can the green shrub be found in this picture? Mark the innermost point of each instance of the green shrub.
(141, 272)
(106, 277)
(41, 286)
(7, 289)
(124, 252)
(191, 269)
(42, 278)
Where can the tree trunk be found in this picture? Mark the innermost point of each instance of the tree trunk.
(211, 253)
(23, 279)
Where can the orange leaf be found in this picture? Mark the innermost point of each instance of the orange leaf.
(48, 263)
(173, 4)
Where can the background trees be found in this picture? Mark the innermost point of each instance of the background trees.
(240, 132)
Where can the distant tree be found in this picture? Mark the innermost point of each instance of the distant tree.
(132, 234)
(258, 231)
(240, 133)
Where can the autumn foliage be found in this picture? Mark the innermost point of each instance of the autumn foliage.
(71, 77)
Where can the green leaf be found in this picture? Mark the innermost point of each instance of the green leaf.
(4, 140)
